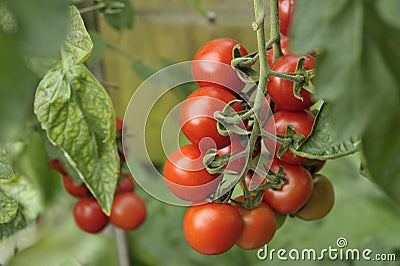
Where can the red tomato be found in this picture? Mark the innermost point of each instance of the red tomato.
(128, 211)
(284, 47)
(270, 102)
(320, 202)
(76, 190)
(314, 166)
(294, 193)
(186, 175)
(281, 90)
(56, 165)
(302, 123)
(197, 116)
(212, 228)
(285, 15)
(89, 216)
(215, 69)
(125, 184)
(119, 124)
(259, 226)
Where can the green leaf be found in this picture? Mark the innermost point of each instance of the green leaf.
(78, 45)
(13, 226)
(381, 145)
(142, 69)
(27, 193)
(360, 55)
(16, 90)
(121, 19)
(324, 143)
(42, 24)
(8, 207)
(100, 46)
(78, 117)
(389, 10)
(6, 171)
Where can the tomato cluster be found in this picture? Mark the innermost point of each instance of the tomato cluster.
(128, 210)
(286, 185)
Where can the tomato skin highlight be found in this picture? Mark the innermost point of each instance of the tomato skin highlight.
(197, 116)
(294, 193)
(302, 122)
(259, 225)
(128, 211)
(186, 175)
(321, 200)
(212, 228)
(89, 216)
(281, 90)
(285, 10)
(211, 65)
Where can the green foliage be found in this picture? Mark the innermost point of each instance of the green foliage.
(119, 18)
(358, 73)
(17, 223)
(78, 116)
(324, 143)
(6, 171)
(8, 208)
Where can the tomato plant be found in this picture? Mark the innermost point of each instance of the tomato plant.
(282, 90)
(321, 200)
(302, 123)
(186, 175)
(197, 116)
(89, 216)
(294, 193)
(259, 225)
(128, 211)
(211, 65)
(212, 228)
(76, 190)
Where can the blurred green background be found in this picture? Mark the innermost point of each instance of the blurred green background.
(165, 32)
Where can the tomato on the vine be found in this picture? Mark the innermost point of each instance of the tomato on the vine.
(302, 123)
(197, 115)
(285, 15)
(321, 200)
(294, 193)
(212, 228)
(89, 216)
(281, 90)
(314, 165)
(284, 47)
(259, 225)
(215, 69)
(56, 165)
(76, 190)
(128, 211)
(186, 175)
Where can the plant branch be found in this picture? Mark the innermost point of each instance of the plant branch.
(92, 8)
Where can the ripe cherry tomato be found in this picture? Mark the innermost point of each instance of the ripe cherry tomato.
(219, 74)
(186, 175)
(89, 216)
(281, 90)
(128, 211)
(125, 184)
(76, 190)
(259, 225)
(197, 115)
(294, 193)
(56, 165)
(284, 47)
(271, 103)
(321, 200)
(285, 15)
(302, 123)
(212, 228)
